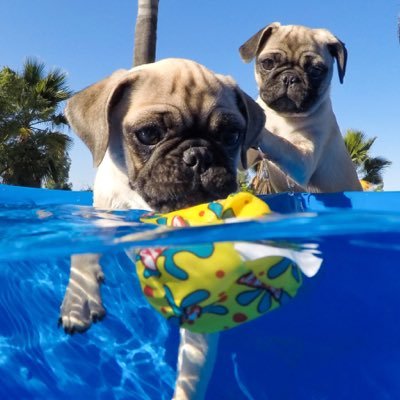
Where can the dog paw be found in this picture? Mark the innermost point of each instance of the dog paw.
(78, 314)
(82, 303)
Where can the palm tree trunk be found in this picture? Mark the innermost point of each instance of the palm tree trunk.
(146, 32)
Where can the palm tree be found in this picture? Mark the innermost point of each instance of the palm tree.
(369, 168)
(33, 152)
(146, 32)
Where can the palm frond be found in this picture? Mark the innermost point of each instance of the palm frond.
(54, 142)
(53, 87)
(357, 145)
(59, 119)
(373, 168)
(369, 168)
(32, 150)
(33, 71)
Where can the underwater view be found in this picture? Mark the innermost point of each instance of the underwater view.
(335, 337)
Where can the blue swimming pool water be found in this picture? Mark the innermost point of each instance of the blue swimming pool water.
(338, 339)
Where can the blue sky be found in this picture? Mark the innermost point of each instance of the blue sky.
(90, 39)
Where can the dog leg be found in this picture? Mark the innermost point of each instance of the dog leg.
(282, 182)
(196, 359)
(82, 301)
(298, 161)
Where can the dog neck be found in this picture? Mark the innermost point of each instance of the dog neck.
(112, 189)
(285, 124)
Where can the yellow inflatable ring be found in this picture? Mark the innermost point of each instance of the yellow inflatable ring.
(212, 287)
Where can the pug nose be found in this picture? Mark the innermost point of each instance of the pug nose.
(290, 79)
(197, 158)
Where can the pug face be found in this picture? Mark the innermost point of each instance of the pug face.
(293, 83)
(179, 153)
(294, 65)
(177, 130)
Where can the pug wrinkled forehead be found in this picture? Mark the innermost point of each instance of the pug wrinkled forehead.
(294, 65)
(175, 127)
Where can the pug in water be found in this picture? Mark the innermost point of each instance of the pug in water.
(302, 142)
(164, 136)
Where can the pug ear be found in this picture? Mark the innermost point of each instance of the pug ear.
(255, 118)
(253, 114)
(88, 113)
(250, 49)
(339, 52)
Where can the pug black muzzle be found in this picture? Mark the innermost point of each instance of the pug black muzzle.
(180, 173)
(289, 90)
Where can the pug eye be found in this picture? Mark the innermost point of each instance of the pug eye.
(149, 135)
(229, 139)
(268, 63)
(316, 71)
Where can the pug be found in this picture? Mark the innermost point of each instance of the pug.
(302, 142)
(164, 136)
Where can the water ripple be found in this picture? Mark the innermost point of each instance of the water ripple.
(111, 357)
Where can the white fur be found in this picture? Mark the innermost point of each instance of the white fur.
(309, 148)
(196, 352)
(195, 355)
(112, 190)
